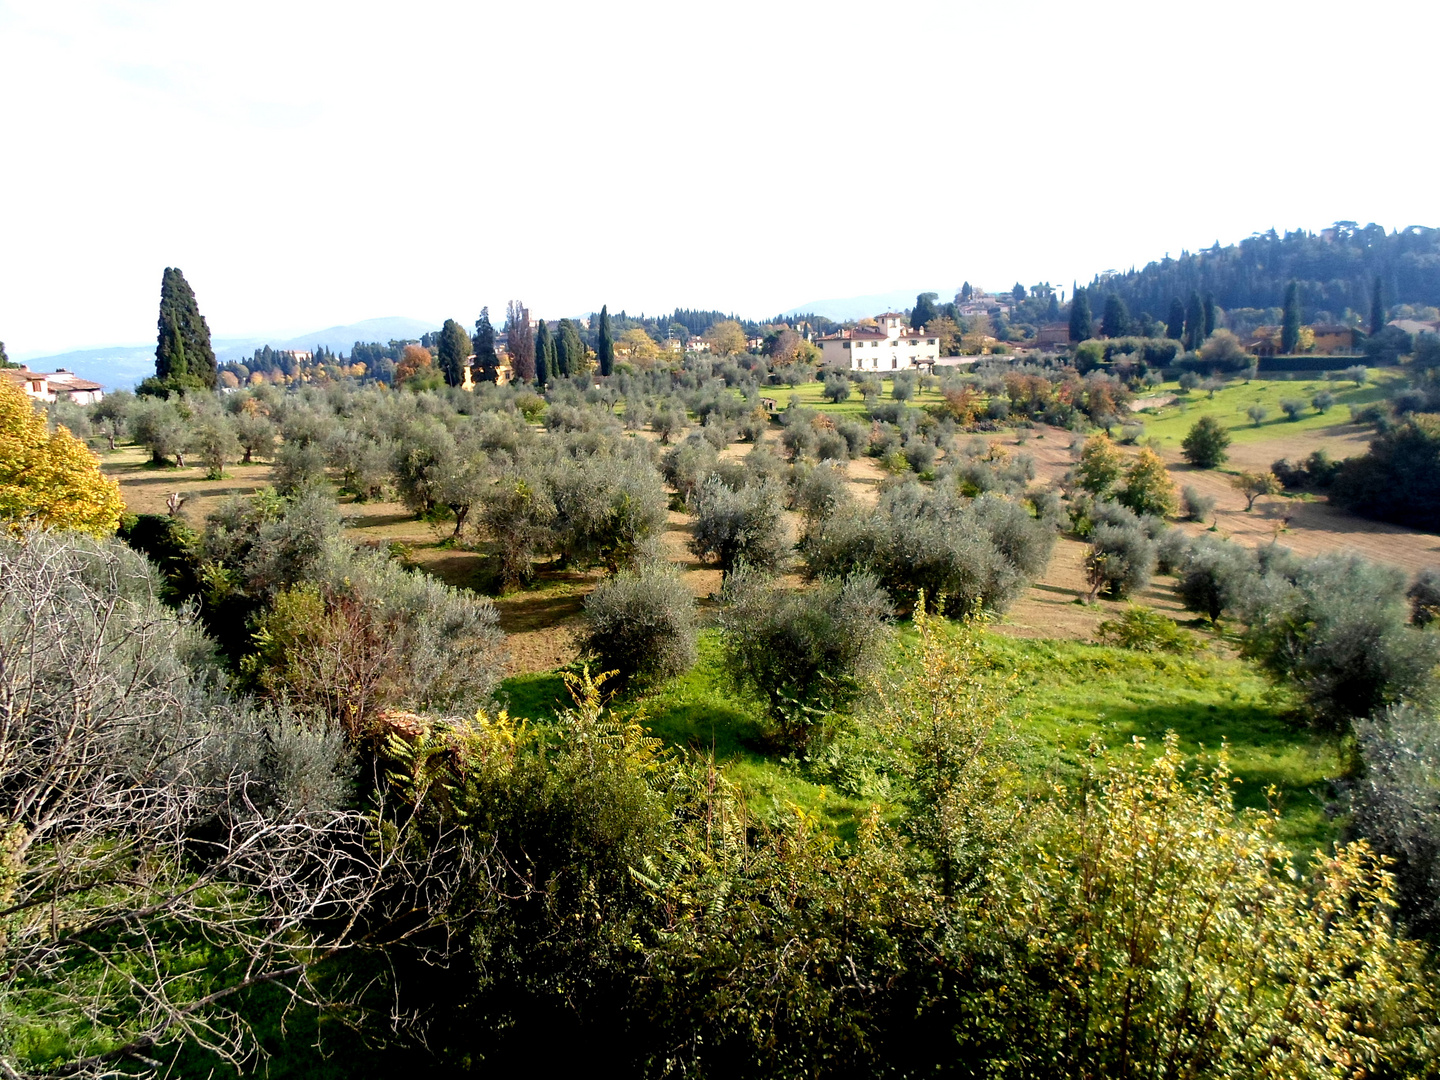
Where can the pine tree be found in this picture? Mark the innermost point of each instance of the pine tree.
(605, 343)
(486, 362)
(1290, 330)
(454, 350)
(518, 342)
(183, 356)
(544, 355)
(1018, 294)
(1116, 321)
(1377, 309)
(1175, 324)
(1080, 320)
(1209, 315)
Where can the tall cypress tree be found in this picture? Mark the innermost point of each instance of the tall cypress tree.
(569, 349)
(965, 293)
(1290, 330)
(518, 342)
(183, 356)
(1377, 309)
(544, 355)
(1194, 322)
(454, 350)
(486, 362)
(1209, 314)
(924, 309)
(605, 343)
(1052, 313)
(1175, 324)
(1080, 320)
(1116, 321)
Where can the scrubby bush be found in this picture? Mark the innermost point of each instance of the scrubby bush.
(1171, 549)
(805, 654)
(1214, 576)
(1424, 596)
(1144, 630)
(1293, 408)
(1395, 805)
(1148, 488)
(687, 464)
(1101, 465)
(1399, 478)
(1337, 628)
(733, 526)
(837, 388)
(1120, 561)
(820, 490)
(608, 510)
(1194, 505)
(641, 623)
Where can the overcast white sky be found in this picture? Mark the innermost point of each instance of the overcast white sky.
(311, 163)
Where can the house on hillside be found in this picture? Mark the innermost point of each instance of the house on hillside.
(1053, 336)
(57, 385)
(889, 345)
(1414, 327)
(1332, 338)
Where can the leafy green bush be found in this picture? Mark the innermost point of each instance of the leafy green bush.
(641, 623)
(1144, 630)
(739, 526)
(1204, 445)
(805, 654)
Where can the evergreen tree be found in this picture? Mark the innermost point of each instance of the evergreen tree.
(1175, 324)
(486, 362)
(544, 355)
(925, 309)
(183, 356)
(1290, 329)
(1209, 315)
(1018, 294)
(518, 342)
(1080, 329)
(605, 342)
(1116, 321)
(1377, 309)
(1194, 322)
(966, 292)
(4, 360)
(569, 349)
(454, 351)
(1052, 313)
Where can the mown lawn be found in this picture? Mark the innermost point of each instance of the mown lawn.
(1171, 423)
(1061, 695)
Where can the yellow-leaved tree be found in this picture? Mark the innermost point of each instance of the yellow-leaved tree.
(50, 479)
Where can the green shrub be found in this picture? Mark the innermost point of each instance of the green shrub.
(641, 623)
(739, 526)
(1144, 630)
(805, 654)
(1205, 444)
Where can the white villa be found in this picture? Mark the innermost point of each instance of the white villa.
(58, 385)
(889, 345)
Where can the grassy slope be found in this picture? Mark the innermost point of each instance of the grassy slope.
(1064, 694)
(809, 394)
(1229, 405)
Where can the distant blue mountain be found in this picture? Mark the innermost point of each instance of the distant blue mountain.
(122, 366)
(861, 307)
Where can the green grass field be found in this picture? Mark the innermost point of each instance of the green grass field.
(1063, 694)
(810, 394)
(1229, 406)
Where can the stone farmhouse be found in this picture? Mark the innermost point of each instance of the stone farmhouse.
(889, 345)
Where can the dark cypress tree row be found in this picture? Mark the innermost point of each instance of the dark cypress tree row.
(183, 356)
(1377, 309)
(966, 292)
(544, 355)
(1290, 329)
(1080, 320)
(569, 349)
(486, 362)
(605, 343)
(454, 351)
(1116, 320)
(1175, 324)
(1194, 322)
(1209, 314)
